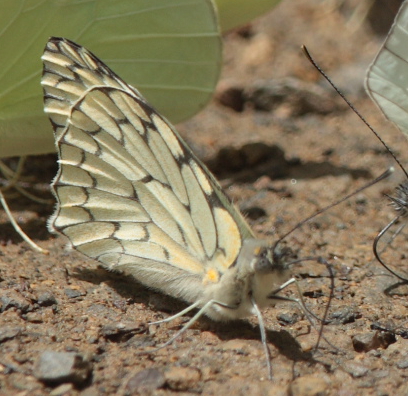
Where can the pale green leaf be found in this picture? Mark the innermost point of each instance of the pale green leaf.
(169, 49)
(233, 13)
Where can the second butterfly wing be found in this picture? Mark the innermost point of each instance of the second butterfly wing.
(387, 77)
(387, 84)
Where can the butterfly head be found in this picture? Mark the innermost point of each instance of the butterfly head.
(258, 272)
(270, 267)
(268, 259)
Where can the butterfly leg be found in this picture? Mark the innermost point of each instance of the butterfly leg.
(197, 316)
(177, 315)
(263, 337)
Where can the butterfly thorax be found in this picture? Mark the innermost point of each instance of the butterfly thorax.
(257, 273)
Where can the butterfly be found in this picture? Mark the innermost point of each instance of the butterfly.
(387, 83)
(133, 196)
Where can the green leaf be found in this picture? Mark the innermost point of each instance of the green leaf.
(168, 49)
(233, 13)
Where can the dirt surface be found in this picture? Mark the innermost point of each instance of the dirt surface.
(293, 148)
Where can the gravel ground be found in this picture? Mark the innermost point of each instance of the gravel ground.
(283, 145)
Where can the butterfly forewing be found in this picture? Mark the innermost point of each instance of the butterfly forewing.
(129, 190)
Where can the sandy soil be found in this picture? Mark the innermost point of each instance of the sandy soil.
(279, 165)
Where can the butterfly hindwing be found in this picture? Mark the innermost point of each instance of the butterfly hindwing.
(130, 192)
(387, 79)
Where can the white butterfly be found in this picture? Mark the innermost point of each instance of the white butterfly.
(387, 77)
(387, 84)
(133, 196)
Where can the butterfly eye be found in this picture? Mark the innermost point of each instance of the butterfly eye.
(266, 262)
(263, 265)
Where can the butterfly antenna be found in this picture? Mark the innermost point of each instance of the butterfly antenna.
(384, 175)
(349, 104)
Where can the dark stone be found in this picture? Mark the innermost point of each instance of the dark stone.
(367, 341)
(344, 315)
(287, 318)
(46, 299)
(12, 299)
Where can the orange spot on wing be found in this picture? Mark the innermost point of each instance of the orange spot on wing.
(212, 276)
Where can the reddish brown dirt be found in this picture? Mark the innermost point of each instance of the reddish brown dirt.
(328, 153)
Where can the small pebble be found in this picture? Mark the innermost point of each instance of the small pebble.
(34, 317)
(71, 293)
(46, 299)
(287, 318)
(12, 299)
(182, 378)
(144, 381)
(355, 369)
(402, 364)
(58, 367)
(344, 315)
(9, 332)
(365, 342)
(120, 330)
